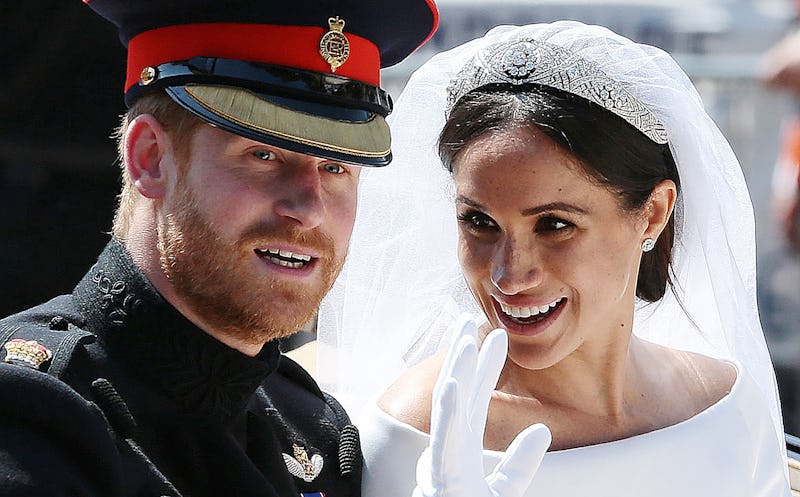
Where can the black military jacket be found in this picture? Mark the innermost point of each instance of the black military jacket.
(137, 401)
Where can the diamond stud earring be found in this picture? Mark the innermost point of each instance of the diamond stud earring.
(648, 244)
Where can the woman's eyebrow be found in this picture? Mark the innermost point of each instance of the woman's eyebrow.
(531, 211)
(554, 206)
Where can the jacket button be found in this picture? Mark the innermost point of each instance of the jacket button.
(59, 323)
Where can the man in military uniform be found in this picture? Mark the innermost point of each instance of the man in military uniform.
(160, 374)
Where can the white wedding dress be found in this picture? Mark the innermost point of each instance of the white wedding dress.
(731, 461)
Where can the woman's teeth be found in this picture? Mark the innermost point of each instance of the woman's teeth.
(526, 312)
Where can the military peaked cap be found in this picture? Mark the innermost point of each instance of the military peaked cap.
(300, 74)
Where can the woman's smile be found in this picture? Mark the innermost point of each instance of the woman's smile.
(531, 320)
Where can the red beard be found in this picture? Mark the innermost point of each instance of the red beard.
(215, 279)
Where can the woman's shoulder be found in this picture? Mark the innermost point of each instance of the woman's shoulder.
(701, 380)
(408, 399)
(705, 380)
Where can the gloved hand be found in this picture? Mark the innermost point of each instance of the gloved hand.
(452, 465)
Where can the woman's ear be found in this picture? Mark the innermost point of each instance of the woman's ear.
(659, 208)
(146, 145)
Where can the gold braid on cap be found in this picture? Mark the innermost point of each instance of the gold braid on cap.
(532, 61)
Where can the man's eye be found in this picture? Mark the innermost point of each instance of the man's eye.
(264, 154)
(334, 168)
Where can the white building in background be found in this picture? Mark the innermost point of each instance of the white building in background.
(736, 30)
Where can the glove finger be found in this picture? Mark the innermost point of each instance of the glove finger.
(513, 474)
(451, 437)
(425, 486)
(464, 325)
(463, 371)
(467, 324)
(446, 427)
(491, 359)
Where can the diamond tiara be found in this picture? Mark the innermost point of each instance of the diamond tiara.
(532, 61)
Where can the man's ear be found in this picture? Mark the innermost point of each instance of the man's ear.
(659, 208)
(146, 145)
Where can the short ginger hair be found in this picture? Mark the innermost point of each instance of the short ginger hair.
(179, 124)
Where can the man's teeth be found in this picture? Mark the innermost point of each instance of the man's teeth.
(285, 258)
(281, 262)
(526, 312)
(289, 255)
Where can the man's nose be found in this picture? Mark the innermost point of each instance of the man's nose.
(301, 196)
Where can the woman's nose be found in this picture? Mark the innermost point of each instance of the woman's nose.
(516, 268)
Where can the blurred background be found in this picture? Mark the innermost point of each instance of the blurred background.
(61, 95)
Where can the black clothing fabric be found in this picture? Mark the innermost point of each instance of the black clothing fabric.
(137, 401)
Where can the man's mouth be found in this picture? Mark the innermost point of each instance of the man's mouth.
(529, 315)
(285, 258)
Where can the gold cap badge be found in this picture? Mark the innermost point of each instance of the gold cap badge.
(148, 75)
(28, 353)
(334, 46)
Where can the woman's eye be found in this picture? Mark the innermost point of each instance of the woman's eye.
(552, 224)
(477, 221)
(334, 168)
(264, 154)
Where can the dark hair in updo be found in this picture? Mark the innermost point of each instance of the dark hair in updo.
(612, 152)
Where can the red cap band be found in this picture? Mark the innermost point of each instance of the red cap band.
(293, 46)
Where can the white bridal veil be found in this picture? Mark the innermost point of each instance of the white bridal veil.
(401, 286)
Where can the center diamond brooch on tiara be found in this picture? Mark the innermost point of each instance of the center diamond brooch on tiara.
(519, 62)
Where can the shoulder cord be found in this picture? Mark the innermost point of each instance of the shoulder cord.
(349, 440)
(124, 425)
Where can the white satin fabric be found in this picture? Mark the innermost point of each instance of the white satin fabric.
(728, 450)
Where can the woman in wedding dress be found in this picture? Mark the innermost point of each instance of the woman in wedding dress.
(580, 198)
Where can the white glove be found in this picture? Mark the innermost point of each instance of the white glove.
(452, 465)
